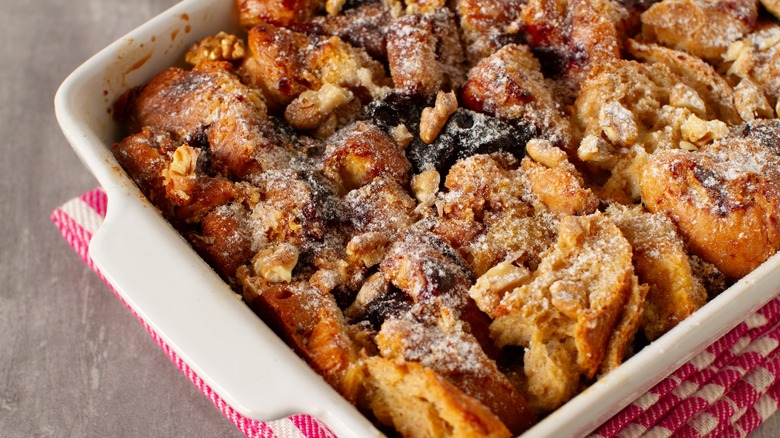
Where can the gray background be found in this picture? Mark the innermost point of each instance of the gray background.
(73, 361)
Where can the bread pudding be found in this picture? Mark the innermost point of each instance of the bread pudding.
(461, 214)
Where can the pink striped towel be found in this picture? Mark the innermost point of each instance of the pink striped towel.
(726, 390)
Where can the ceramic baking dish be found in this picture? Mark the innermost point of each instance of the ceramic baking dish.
(207, 325)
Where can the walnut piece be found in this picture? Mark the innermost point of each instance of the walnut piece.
(425, 185)
(491, 287)
(368, 248)
(220, 47)
(401, 135)
(751, 102)
(333, 7)
(434, 118)
(373, 288)
(312, 108)
(700, 132)
(594, 149)
(275, 264)
(683, 96)
(543, 152)
(180, 174)
(618, 124)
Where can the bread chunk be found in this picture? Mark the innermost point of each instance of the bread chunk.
(627, 110)
(661, 262)
(450, 351)
(491, 213)
(724, 198)
(757, 58)
(424, 53)
(171, 176)
(488, 25)
(567, 310)
(702, 28)
(278, 12)
(509, 85)
(363, 26)
(313, 325)
(571, 37)
(714, 91)
(560, 188)
(283, 64)
(419, 403)
(362, 152)
(209, 104)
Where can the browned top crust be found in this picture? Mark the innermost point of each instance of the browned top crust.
(460, 214)
(724, 198)
(702, 28)
(279, 12)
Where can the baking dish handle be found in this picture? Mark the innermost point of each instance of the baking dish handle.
(205, 323)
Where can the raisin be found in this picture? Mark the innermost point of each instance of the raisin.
(390, 305)
(395, 109)
(351, 4)
(466, 133)
(766, 132)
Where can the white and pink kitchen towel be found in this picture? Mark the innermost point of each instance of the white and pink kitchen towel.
(728, 389)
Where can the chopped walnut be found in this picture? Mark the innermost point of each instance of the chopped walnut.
(180, 174)
(738, 53)
(618, 124)
(425, 185)
(368, 248)
(184, 160)
(491, 287)
(543, 152)
(374, 287)
(276, 263)
(402, 136)
(596, 150)
(768, 38)
(700, 132)
(433, 119)
(683, 96)
(569, 297)
(220, 47)
(333, 7)
(325, 280)
(751, 102)
(757, 57)
(312, 108)
(424, 6)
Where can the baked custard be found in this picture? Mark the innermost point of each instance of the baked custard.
(462, 213)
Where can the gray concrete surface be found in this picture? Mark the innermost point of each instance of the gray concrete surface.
(73, 361)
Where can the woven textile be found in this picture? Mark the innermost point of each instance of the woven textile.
(728, 389)
(77, 220)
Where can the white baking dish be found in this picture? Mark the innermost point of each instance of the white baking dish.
(205, 323)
